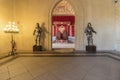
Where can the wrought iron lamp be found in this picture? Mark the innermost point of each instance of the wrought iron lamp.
(115, 1)
(11, 28)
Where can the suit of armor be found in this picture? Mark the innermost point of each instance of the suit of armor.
(89, 33)
(37, 32)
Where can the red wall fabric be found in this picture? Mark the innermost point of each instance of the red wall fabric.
(57, 21)
(71, 19)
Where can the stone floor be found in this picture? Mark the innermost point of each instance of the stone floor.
(61, 68)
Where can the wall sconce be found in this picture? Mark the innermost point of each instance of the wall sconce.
(11, 28)
(115, 1)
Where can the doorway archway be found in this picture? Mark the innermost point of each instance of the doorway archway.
(63, 26)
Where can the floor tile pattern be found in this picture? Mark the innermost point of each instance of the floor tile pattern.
(61, 68)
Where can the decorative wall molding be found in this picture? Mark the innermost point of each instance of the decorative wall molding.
(63, 8)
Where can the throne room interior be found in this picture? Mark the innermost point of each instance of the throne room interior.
(63, 24)
(75, 16)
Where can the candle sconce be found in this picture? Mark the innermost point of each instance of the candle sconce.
(115, 1)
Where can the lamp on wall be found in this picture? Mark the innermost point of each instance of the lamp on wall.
(11, 28)
(115, 1)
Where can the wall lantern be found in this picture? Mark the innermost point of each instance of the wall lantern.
(115, 1)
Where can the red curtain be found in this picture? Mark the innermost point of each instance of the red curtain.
(70, 19)
(57, 21)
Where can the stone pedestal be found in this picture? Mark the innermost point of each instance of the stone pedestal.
(91, 48)
(37, 48)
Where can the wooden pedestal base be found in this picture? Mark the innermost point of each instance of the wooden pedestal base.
(91, 48)
(37, 48)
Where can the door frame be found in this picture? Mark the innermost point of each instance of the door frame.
(79, 25)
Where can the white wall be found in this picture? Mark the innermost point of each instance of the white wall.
(6, 14)
(102, 18)
(117, 24)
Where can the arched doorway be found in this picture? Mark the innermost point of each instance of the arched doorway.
(63, 26)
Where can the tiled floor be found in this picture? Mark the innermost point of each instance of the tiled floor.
(61, 68)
